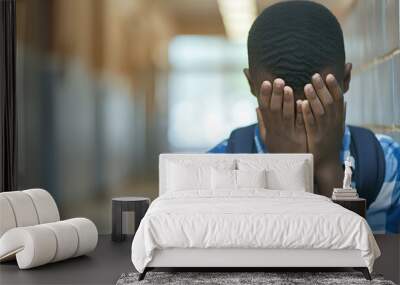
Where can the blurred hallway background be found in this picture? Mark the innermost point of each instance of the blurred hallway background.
(104, 86)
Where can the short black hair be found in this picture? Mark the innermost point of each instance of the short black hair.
(295, 39)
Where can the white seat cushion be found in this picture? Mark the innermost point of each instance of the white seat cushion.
(87, 233)
(33, 246)
(23, 208)
(26, 208)
(41, 244)
(67, 238)
(45, 205)
(7, 220)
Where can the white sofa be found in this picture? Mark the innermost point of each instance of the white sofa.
(31, 230)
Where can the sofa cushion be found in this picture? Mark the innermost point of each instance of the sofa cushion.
(40, 244)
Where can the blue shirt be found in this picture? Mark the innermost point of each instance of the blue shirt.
(383, 215)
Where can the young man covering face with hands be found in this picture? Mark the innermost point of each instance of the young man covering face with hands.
(297, 72)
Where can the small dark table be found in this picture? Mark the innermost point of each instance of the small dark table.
(358, 205)
(139, 205)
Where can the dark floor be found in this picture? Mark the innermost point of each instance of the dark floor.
(110, 259)
(102, 266)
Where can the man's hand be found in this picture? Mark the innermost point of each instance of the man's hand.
(324, 117)
(282, 131)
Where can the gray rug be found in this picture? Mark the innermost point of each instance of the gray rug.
(231, 278)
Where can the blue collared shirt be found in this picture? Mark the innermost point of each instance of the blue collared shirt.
(383, 215)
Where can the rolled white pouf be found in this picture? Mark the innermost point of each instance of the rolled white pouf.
(23, 208)
(67, 240)
(87, 234)
(7, 218)
(45, 205)
(33, 246)
(40, 244)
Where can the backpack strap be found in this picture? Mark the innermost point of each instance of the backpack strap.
(241, 140)
(370, 163)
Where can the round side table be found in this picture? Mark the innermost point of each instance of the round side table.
(139, 205)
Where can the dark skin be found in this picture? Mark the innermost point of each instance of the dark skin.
(311, 121)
